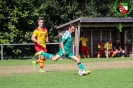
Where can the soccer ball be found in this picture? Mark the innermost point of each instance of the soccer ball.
(81, 72)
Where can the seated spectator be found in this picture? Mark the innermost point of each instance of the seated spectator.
(101, 49)
(110, 52)
(118, 49)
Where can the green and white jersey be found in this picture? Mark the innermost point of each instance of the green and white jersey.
(67, 40)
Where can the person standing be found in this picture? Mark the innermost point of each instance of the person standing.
(83, 46)
(109, 52)
(40, 37)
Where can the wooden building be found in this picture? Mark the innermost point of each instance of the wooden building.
(98, 29)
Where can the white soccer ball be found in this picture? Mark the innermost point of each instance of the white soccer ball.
(81, 72)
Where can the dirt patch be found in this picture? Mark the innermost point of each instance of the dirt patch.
(9, 70)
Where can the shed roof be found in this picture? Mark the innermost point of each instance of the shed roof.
(99, 20)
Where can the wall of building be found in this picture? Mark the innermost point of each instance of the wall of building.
(95, 35)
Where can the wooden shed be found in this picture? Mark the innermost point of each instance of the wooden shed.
(98, 29)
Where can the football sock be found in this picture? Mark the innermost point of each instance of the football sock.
(37, 61)
(113, 55)
(98, 55)
(84, 56)
(81, 66)
(47, 55)
(88, 56)
(41, 63)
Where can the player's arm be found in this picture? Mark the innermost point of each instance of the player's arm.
(60, 34)
(86, 39)
(33, 37)
(99, 47)
(47, 38)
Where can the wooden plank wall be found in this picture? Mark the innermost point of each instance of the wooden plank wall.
(96, 40)
(96, 37)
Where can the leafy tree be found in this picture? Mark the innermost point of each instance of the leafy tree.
(17, 21)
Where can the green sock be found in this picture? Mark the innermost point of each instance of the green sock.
(81, 66)
(47, 55)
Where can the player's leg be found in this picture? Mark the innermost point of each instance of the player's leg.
(114, 53)
(42, 63)
(118, 53)
(37, 48)
(107, 53)
(122, 53)
(82, 52)
(79, 56)
(87, 52)
(102, 53)
(42, 60)
(50, 56)
(80, 65)
(47, 55)
(56, 57)
(98, 54)
(59, 54)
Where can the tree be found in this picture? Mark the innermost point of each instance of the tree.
(17, 20)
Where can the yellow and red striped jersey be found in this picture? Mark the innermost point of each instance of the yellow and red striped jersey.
(83, 41)
(41, 35)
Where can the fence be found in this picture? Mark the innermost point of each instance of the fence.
(2, 47)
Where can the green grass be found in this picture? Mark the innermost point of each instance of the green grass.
(101, 78)
(110, 78)
(64, 61)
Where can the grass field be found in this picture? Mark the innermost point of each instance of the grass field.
(113, 73)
